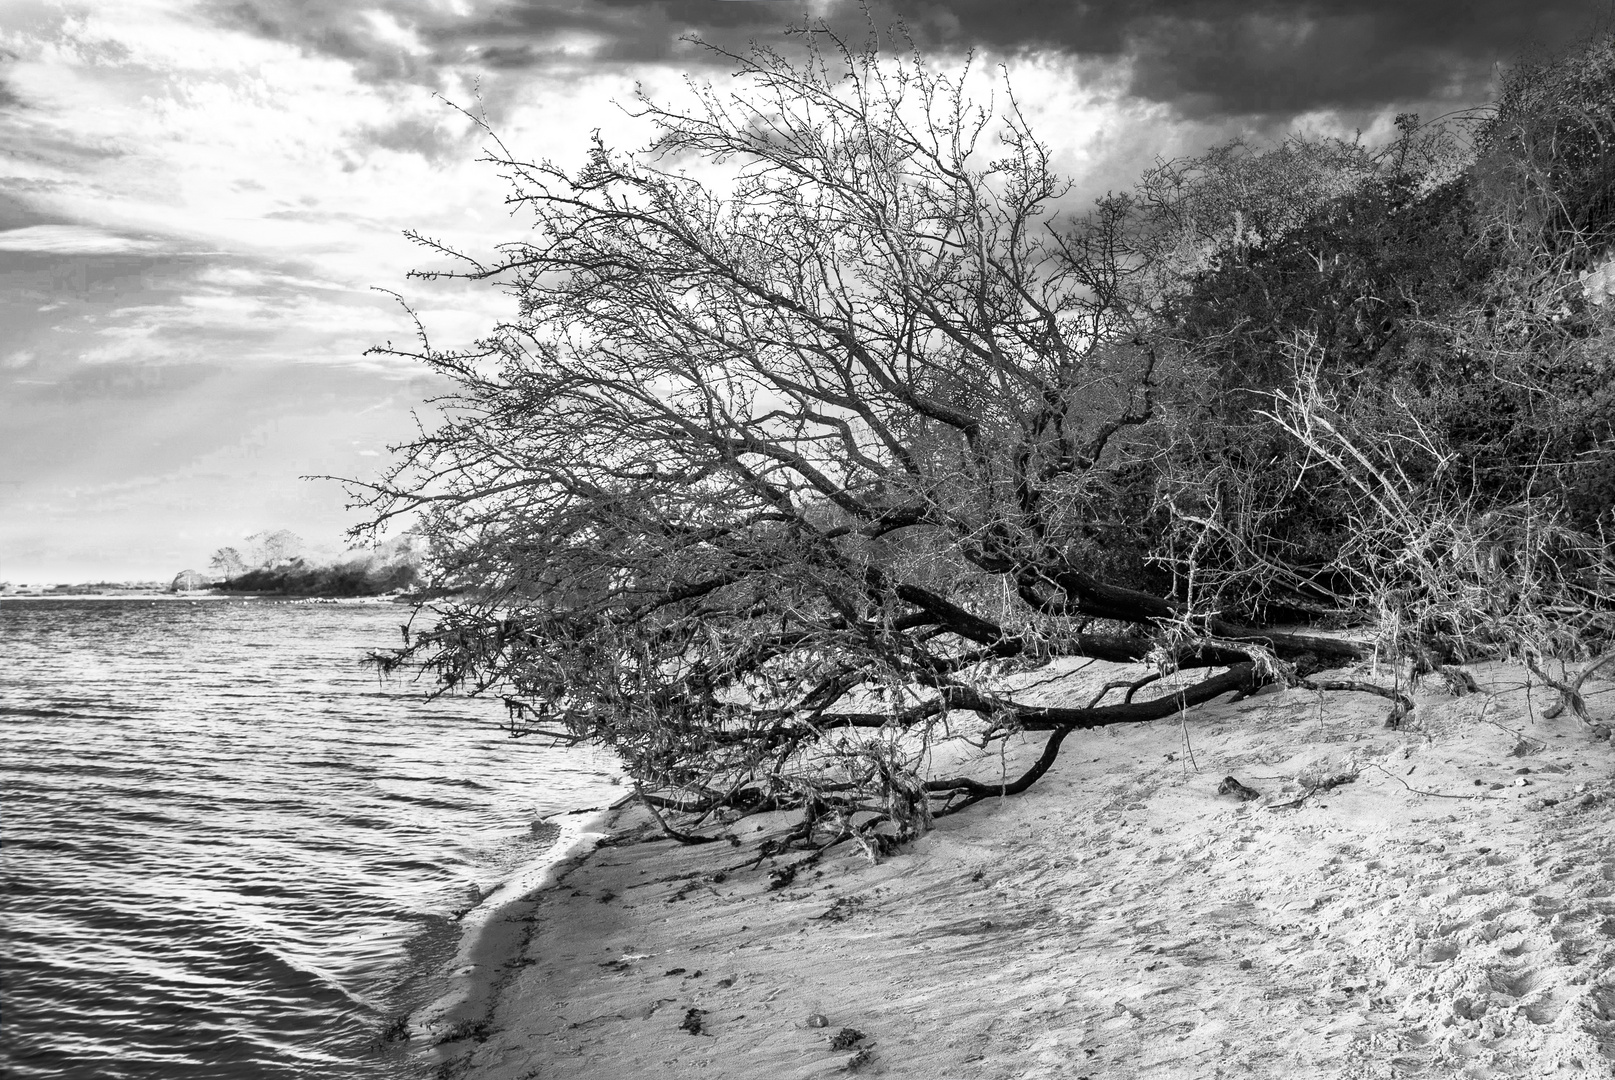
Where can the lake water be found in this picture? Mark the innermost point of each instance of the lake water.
(229, 851)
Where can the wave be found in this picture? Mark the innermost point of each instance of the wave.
(45, 714)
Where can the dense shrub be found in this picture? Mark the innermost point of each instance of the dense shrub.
(298, 578)
(1418, 346)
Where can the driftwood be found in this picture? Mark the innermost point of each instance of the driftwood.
(1570, 693)
(1401, 704)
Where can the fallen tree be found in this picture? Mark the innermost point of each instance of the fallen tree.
(818, 422)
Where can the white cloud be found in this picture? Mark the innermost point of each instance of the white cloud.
(278, 184)
(148, 121)
(75, 240)
(387, 28)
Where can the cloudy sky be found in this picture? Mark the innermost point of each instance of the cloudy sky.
(200, 200)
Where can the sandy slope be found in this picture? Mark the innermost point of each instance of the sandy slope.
(1122, 919)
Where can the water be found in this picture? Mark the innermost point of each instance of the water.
(228, 850)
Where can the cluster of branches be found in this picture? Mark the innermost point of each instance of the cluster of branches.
(822, 417)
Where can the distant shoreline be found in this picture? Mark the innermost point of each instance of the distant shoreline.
(131, 594)
(210, 594)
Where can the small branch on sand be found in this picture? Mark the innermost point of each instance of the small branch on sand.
(1132, 686)
(1401, 704)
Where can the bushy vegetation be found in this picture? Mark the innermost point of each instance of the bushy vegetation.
(821, 418)
(1408, 413)
(299, 578)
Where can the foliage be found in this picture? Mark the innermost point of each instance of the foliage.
(1544, 169)
(277, 548)
(1409, 401)
(227, 562)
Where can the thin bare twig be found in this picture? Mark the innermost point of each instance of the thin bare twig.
(1421, 791)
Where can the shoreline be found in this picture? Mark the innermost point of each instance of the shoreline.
(1396, 903)
(467, 986)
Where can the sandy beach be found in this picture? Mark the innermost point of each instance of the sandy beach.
(1432, 901)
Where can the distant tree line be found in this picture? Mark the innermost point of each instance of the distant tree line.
(276, 563)
(823, 417)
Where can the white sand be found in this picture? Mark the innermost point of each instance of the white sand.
(1122, 919)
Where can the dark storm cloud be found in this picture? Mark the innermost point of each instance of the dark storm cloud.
(1205, 57)
(1210, 57)
(321, 29)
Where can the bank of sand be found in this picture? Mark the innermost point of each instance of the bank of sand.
(1450, 911)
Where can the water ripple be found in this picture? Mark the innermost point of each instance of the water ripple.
(230, 851)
